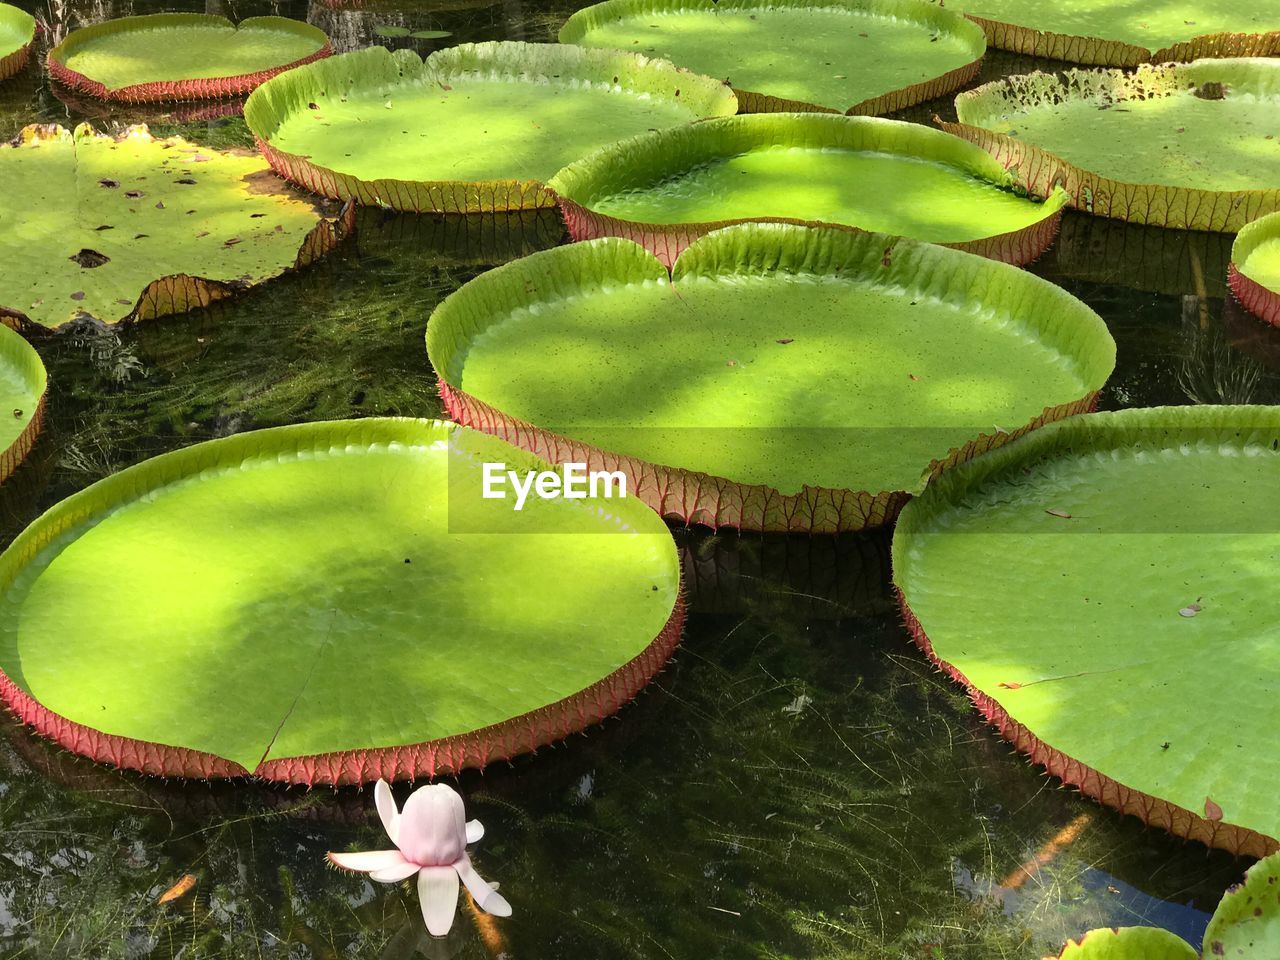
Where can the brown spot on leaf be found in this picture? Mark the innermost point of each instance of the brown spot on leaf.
(159, 204)
(134, 194)
(109, 184)
(787, 340)
(186, 181)
(78, 295)
(1212, 90)
(89, 258)
(1061, 514)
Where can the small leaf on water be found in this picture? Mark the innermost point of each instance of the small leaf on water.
(387, 30)
(1059, 513)
(1211, 810)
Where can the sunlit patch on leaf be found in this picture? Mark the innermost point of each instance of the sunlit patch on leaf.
(70, 251)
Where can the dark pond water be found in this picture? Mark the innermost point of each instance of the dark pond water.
(798, 783)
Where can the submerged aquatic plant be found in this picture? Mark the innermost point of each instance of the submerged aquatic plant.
(431, 836)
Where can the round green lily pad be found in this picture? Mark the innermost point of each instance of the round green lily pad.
(17, 34)
(367, 125)
(181, 56)
(22, 392)
(781, 378)
(1108, 33)
(1103, 587)
(665, 188)
(1128, 943)
(130, 227)
(1189, 146)
(1254, 274)
(848, 56)
(330, 603)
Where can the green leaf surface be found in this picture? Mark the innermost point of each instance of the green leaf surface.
(1188, 145)
(880, 175)
(830, 56)
(17, 29)
(1147, 25)
(1256, 252)
(431, 34)
(22, 385)
(1246, 925)
(336, 586)
(184, 46)
(515, 112)
(383, 30)
(775, 354)
(1108, 583)
(99, 219)
(1128, 943)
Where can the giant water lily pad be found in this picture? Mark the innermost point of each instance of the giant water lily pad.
(1103, 587)
(1194, 146)
(131, 227)
(854, 56)
(181, 56)
(1107, 33)
(330, 602)
(665, 188)
(17, 34)
(1254, 274)
(22, 393)
(368, 125)
(781, 378)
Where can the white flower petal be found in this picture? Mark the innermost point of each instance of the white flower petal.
(488, 899)
(475, 830)
(438, 897)
(366, 861)
(396, 873)
(386, 805)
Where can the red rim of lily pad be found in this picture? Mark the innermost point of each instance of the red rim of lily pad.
(159, 91)
(476, 748)
(17, 354)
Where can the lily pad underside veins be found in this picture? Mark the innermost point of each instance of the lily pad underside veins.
(429, 631)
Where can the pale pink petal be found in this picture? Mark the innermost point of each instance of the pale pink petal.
(488, 899)
(366, 861)
(394, 874)
(475, 830)
(386, 805)
(438, 897)
(432, 826)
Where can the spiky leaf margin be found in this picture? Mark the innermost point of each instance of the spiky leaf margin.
(693, 497)
(1101, 433)
(475, 749)
(1246, 925)
(914, 11)
(656, 156)
(1261, 301)
(14, 61)
(1098, 52)
(377, 68)
(179, 292)
(205, 88)
(1128, 943)
(1224, 211)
